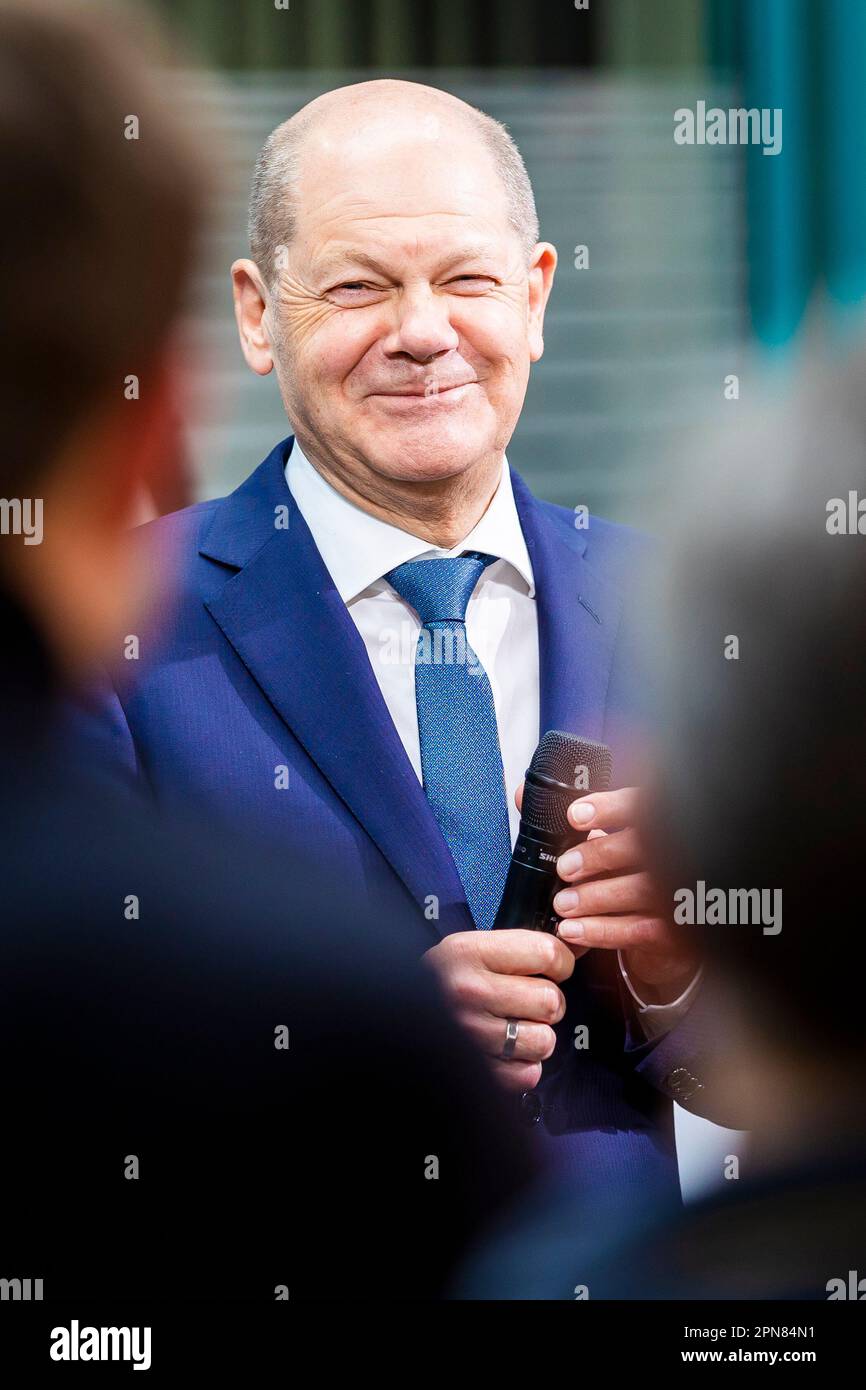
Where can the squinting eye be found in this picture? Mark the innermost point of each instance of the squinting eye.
(471, 280)
(355, 290)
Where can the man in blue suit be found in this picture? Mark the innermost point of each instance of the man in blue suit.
(368, 637)
(212, 1090)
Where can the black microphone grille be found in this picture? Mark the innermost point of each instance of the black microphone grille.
(577, 762)
(579, 765)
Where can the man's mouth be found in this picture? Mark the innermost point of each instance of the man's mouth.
(427, 391)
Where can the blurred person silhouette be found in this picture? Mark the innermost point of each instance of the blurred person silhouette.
(759, 664)
(178, 1017)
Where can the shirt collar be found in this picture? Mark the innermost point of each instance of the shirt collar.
(358, 549)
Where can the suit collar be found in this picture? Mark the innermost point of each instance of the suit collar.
(359, 549)
(249, 517)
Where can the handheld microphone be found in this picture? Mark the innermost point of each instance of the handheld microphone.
(563, 768)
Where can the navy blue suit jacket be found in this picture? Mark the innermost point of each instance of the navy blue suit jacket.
(258, 678)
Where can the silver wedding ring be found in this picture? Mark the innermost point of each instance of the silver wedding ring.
(512, 1028)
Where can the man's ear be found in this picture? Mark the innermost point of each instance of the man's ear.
(250, 301)
(541, 271)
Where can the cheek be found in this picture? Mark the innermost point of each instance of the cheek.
(339, 351)
(494, 333)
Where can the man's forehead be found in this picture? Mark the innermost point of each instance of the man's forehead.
(403, 161)
(400, 190)
(443, 208)
(391, 124)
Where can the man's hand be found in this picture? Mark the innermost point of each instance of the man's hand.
(490, 977)
(610, 899)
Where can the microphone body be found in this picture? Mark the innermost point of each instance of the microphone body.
(563, 767)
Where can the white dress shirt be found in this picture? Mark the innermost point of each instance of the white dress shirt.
(501, 627)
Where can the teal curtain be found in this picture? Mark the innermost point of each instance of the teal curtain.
(844, 152)
(806, 207)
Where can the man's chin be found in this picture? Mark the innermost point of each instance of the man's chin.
(426, 451)
(424, 463)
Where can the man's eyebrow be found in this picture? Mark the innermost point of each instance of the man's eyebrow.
(337, 260)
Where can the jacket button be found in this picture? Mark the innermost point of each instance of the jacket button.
(530, 1108)
(682, 1083)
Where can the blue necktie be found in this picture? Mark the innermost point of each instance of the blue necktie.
(461, 761)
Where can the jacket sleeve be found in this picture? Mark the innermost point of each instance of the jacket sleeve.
(681, 1063)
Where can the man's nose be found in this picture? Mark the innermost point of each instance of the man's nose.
(422, 328)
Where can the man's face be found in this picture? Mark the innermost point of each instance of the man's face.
(406, 319)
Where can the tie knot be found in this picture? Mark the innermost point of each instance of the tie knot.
(439, 590)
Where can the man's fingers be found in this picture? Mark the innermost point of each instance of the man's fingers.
(577, 950)
(508, 996)
(516, 952)
(605, 810)
(603, 854)
(627, 893)
(518, 1076)
(623, 933)
(535, 1041)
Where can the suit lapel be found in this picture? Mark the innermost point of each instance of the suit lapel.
(578, 619)
(283, 616)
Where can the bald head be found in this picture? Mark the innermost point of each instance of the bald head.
(367, 118)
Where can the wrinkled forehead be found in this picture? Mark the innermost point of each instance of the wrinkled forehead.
(418, 178)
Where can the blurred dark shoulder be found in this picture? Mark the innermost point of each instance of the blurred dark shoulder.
(270, 1052)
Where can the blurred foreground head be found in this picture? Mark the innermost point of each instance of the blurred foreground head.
(105, 199)
(763, 780)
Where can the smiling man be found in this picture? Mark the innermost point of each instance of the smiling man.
(397, 288)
